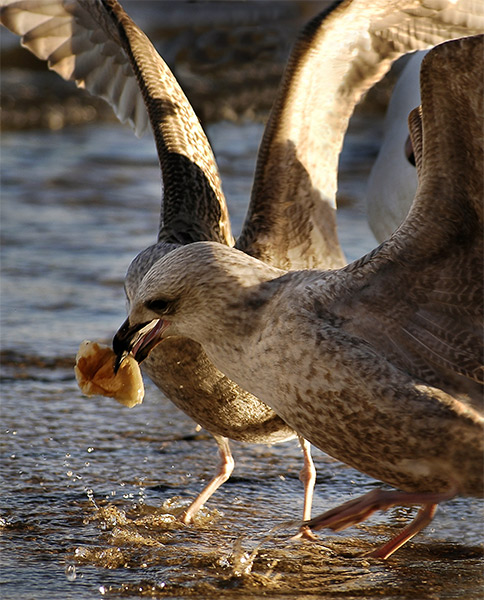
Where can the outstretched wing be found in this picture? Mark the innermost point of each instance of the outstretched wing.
(95, 43)
(342, 52)
(81, 44)
(418, 298)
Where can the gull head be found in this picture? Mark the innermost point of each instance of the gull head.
(194, 291)
(142, 263)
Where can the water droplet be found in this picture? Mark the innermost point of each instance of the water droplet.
(71, 573)
(90, 496)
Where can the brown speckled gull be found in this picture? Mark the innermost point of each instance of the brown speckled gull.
(291, 222)
(380, 363)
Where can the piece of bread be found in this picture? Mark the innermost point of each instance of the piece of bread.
(95, 374)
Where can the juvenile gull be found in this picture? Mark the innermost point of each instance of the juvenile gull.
(380, 363)
(291, 218)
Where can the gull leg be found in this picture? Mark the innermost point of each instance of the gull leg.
(308, 479)
(423, 518)
(225, 469)
(357, 510)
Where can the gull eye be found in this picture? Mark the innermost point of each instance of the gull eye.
(160, 305)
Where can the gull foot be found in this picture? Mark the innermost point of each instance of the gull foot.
(358, 510)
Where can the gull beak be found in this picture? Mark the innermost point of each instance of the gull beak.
(139, 340)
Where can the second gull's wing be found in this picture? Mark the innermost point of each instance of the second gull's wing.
(96, 44)
(342, 52)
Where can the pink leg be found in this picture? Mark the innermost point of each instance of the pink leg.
(224, 472)
(357, 510)
(308, 479)
(423, 518)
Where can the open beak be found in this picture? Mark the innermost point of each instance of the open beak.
(139, 340)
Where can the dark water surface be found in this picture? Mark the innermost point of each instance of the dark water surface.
(91, 489)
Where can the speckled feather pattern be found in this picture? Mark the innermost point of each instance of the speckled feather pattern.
(194, 206)
(193, 209)
(387, 352)
(291, 219)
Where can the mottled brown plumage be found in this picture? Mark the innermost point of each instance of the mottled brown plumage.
(291, 220)
(380, 363)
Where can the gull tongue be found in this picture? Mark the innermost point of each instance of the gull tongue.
(147, 335)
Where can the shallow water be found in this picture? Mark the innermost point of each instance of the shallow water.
(91, 489)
